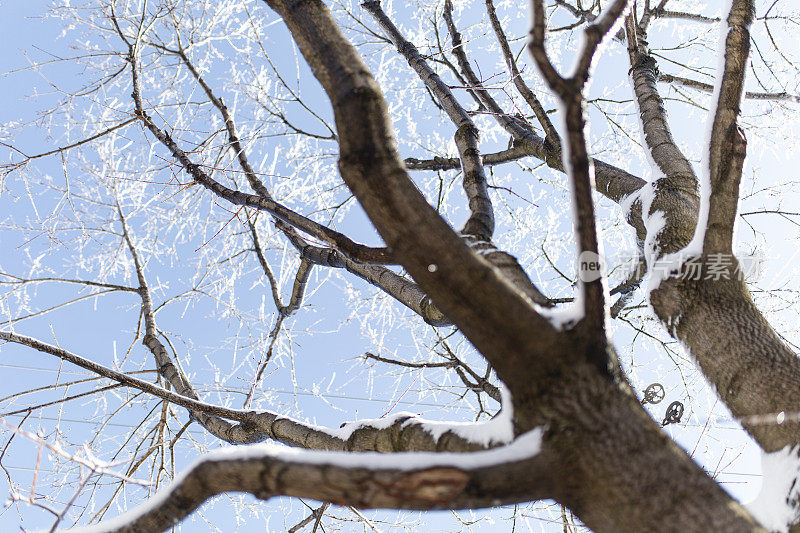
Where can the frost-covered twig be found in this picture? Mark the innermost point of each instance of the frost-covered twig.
(87, 460)
(284, 311)
(355, 251)
(551, 133)
(518, 128)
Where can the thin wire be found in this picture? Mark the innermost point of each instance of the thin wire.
(276, 391)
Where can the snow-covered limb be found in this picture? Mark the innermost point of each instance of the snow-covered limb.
(727, 145)
(590, 300)
(513, 473)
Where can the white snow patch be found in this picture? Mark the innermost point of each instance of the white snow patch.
(780, 471)
(498, 430)
(565, 316)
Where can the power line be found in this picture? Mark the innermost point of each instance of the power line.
(275, 391)
(718, 424)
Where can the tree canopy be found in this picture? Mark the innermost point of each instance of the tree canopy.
(534, 260)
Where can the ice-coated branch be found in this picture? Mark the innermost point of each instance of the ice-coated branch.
(17, 280)
(727, 146)
(355, 251)
(683, 15)
(230, 126)
(8, 167)
(481, 220)
(518, 472)
(519, 129)
(284, 311)
(576, 158)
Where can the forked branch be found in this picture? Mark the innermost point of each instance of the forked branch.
(576, 158)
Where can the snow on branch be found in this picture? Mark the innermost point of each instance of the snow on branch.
(592, 290)
(364, 480)
(727, 146)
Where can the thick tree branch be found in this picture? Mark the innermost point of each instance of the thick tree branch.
(518, 472)
(752, 369)
(727, 147)
(653, 116)
(481, 220)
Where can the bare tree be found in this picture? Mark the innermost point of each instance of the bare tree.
(201, 208)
